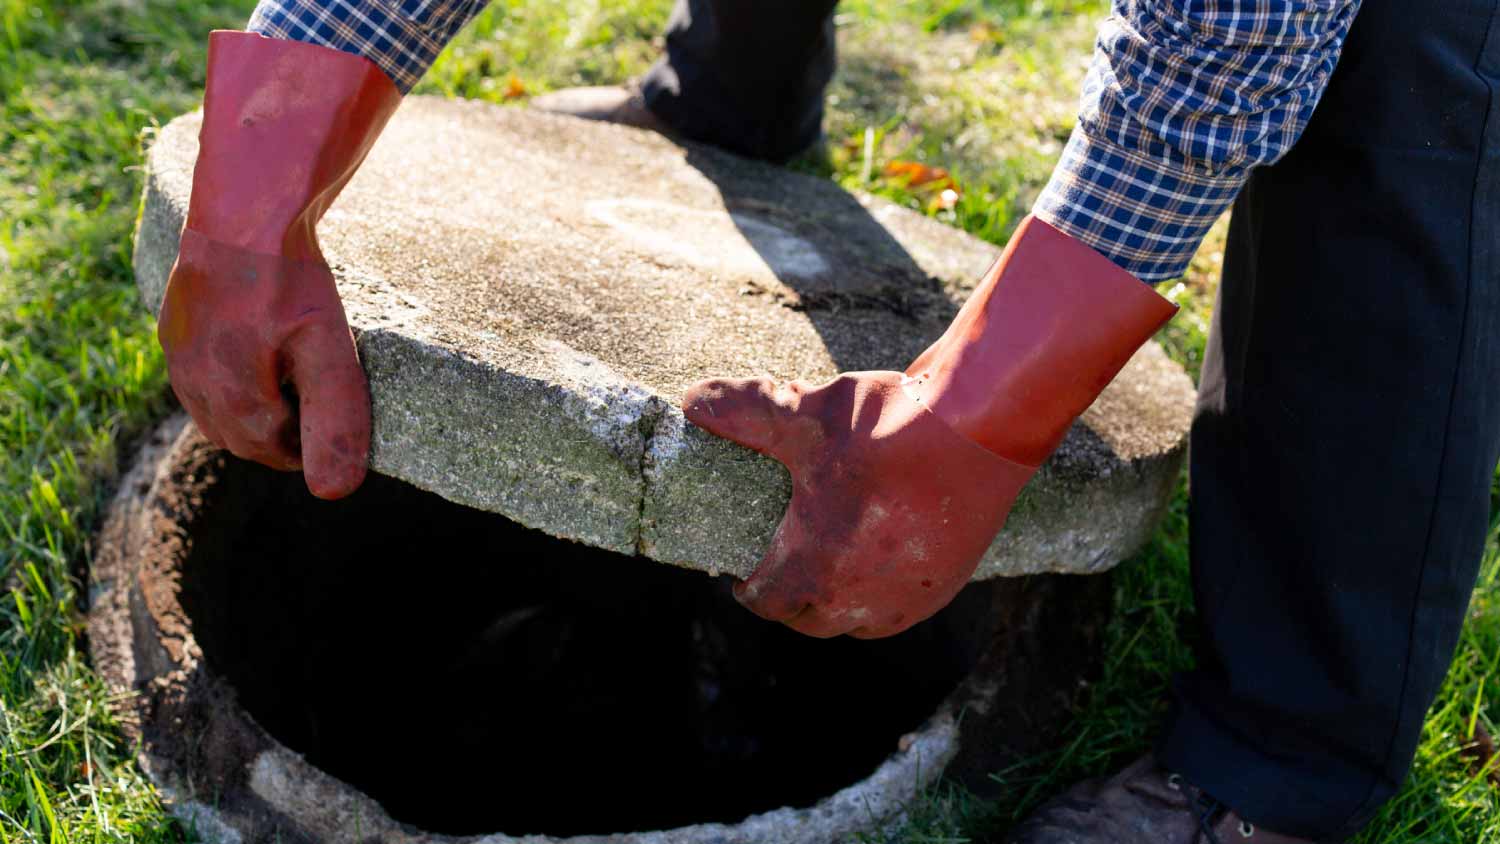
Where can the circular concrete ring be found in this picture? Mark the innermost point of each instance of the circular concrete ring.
(231, 781)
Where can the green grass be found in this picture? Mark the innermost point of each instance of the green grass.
(984, 88)
(80, 374)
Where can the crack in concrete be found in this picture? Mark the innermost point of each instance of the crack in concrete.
(650, 424)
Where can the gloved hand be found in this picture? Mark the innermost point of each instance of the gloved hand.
(891, 508)
(901, 481)
(257, 344)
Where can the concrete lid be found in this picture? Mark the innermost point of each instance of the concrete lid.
(533, 293)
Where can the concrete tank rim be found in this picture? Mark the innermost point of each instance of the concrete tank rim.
(295, 788)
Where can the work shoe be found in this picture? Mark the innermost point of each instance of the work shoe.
(622, 104)
(626, 105)
(1143, 804)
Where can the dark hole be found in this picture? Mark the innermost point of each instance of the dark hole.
(475, 676)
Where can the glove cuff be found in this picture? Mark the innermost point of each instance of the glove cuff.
(285, 125)
(1042, 335)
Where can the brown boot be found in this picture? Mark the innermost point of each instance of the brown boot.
(623, 104)
(1143, 804)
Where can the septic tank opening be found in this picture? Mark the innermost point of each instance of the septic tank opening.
(475, 676)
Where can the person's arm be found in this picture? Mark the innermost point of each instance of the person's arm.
(901, 480)
(401, 37)
(1181, 101)
(257, 344)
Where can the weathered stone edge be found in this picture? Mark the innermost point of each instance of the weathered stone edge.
(559, 457)
(1063, 523)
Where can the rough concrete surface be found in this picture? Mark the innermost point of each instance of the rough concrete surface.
(533, 293)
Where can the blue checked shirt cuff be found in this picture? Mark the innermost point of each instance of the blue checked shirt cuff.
(1148, 215)
(402, 37)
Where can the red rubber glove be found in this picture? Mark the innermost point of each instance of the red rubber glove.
(257, 344)
(891, 509)
(900, 482)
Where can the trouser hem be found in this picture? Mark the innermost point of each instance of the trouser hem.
(1264, 791)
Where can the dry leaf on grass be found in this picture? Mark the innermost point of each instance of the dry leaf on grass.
(922, 178)
(915, 173)
(1480, 754)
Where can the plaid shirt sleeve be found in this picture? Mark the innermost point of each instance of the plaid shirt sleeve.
(1182, 100)
(402, 37)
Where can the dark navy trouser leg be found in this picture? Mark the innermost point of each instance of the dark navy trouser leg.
(746, 75)
(1348, 428)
